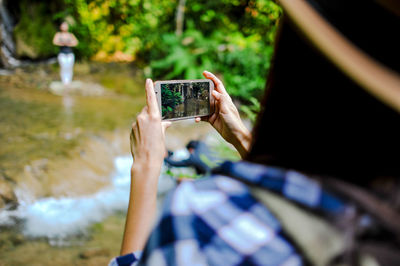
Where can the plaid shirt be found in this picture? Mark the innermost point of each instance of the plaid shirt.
(216, 220)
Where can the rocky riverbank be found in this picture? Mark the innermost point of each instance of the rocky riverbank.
(97, 248)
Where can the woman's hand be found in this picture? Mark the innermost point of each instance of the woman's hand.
(148, 133)
(65, 39)
(226, 119)
(148, 151)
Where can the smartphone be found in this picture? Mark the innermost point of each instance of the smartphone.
(182, 99)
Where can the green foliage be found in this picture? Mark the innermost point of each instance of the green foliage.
(170, 99)
(34, 31)
(252, 109)
(232, 38)
(235, 42)
(185, 57)
(225, 151)
(243, 69)
(129, 26)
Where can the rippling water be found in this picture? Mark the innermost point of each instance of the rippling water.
(68, 132)
(58, 218)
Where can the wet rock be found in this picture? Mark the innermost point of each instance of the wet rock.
(83, 68)
(39, 167)
(7, 176)
(94, 252)
(7, 47)
(2, 203)
(7, 195)
(5, 72)
(77, 87)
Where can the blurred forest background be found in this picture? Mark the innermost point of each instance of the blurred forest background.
(168, 39)
(64, 154)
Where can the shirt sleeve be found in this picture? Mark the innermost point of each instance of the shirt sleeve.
(183, 163)
(130, 259)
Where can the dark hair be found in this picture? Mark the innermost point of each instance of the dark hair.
(192, 144)
(314, 118)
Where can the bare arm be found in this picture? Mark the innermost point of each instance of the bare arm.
(142, 208)
(73, 40)
(226, 119)
(68, 40)
(56, 39)
(148, 150)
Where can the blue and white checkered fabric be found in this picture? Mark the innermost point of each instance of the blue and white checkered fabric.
(216, 221)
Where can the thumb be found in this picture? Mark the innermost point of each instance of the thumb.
(165, 125)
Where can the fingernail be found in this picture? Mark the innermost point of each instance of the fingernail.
(148, 81)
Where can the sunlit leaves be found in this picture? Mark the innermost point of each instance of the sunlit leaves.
(233, 38)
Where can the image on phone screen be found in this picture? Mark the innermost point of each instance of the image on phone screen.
(185, 99)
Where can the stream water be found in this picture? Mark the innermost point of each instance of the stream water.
(59, 218)
(64, 160)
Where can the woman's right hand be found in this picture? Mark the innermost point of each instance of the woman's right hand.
(226, 119)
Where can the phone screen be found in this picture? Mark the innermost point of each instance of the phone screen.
(185, 99)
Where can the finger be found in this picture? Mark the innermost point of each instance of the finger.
(203, 118)
(132, 140)
(141, 116)
(139, 120)
(165, 125)
(216, 95)
(219, 86)
(151, 97)
(212, 118)
(131, 136)
(219, 100)
(214, 115)
(135, 133)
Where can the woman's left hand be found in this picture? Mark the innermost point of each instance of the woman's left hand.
(148, 151)
(148, 134)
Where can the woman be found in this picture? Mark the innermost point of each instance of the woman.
(329, 111)
(66, 57)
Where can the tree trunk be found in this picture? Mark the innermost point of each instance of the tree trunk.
(180, 15)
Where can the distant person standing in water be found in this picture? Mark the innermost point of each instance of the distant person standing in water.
(66, 57)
